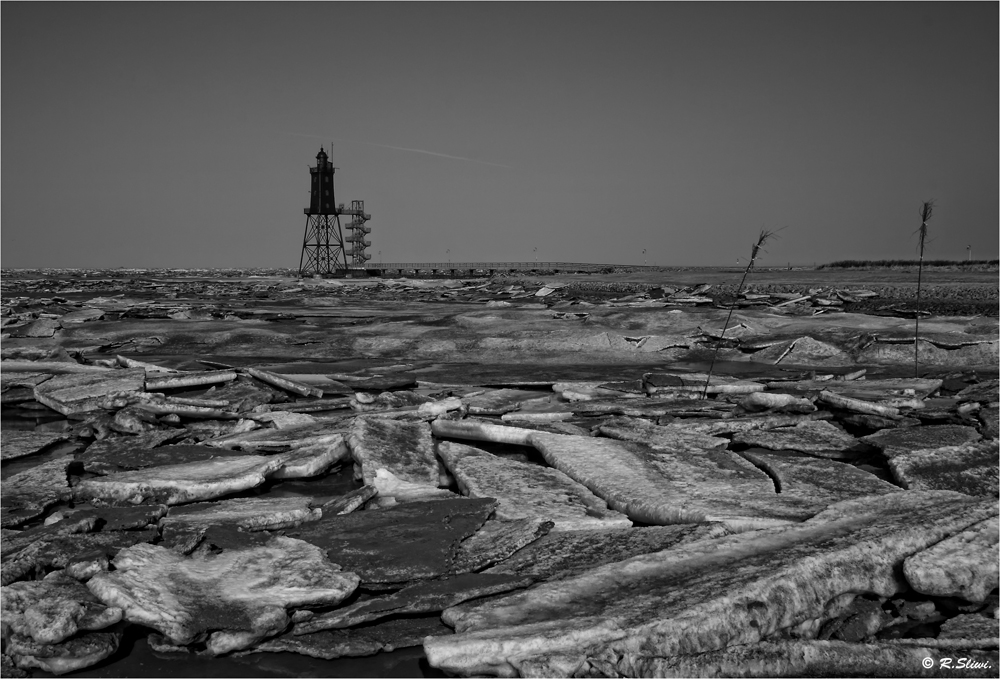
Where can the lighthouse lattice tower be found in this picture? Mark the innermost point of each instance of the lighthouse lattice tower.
(325, 249)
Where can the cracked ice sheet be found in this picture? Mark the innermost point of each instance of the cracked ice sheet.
(703, 596)
(528, 491)
(818, 438)
(817, 480)
(660, 486)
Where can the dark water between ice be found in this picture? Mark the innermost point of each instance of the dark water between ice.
(136, 659)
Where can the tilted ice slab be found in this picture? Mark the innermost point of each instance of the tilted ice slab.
(180, 483)
(29, 493)
(249, 513)
(235, 598)
(704, 596)
(809, 659)
(403, 448)
(22, 443)
(528, 490)
(54, 609)
(970, 468)
(964, 565)
(79, 393)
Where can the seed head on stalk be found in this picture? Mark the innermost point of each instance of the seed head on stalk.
(926, 210)
(764, 236)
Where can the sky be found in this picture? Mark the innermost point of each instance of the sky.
(180, 134)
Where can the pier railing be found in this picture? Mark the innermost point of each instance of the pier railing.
(487, 268)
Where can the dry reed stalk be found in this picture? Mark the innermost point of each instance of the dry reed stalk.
(764, 236)
(925, 214)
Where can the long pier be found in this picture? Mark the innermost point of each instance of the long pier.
(472, 269)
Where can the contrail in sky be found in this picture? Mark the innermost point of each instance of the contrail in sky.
(401, 148)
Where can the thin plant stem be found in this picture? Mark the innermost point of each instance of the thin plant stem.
(764, 236)
(926, 210)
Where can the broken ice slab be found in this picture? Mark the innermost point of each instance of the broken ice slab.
(389, 382)
(976, 631)
(695, 383)
(636, 407)
(803, 351)
(591, 391)
(119, 518)
(987, 391)
(54, 608)
(248, 514)
(818, 438)
(410, 541)
(43, 327)
(10, 380)
(703, 596)
(497, 541)
(276, 380)
(523, 416)
(347, 503)
(186, 410)
(70, 655)
(659, 486)
(528, 491)
(866, 389)
(479, 430)
(235, 598)
(13, 541)
(780, 402)
(193, 379)
(51, 367)
(312, 459)
(667, 437)
(148, 367)
(423, 597)
(807, 658)
(964, 565)
(500, 401)
(388, 400)
(82, 316)
(28, 494)
(857, 405)
(386, 636)
(403, 448)
(392, 490)
(313, 406)
(15, 444)
(283, 420)
(970, 468)
(72, 394)
(895, 442)
(114, 455)
(734, 425)
(17, 395)
(326, 431)
(181, 483)
(245, 393)
(80, 554)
